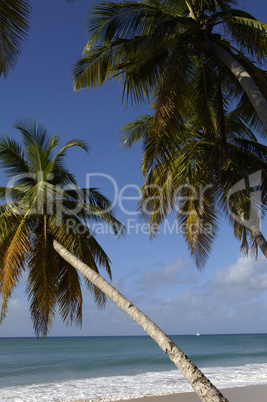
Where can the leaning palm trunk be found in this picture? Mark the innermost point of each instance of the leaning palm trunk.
(201, 385)
(259, 239)
(258, 101)
(253, 225)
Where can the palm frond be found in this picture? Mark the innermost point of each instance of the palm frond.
(69, 144)
(69, 295)
(43, 278)
(138, 59)
(136, 130)
(12, 159)
(36, 141)
(198, 222)
(33, 133)
(14, 26)
(92, 196)
(11, 194)
(110, 20)
(248, 33)
(79, 240)
(15, 249)
(212, 6)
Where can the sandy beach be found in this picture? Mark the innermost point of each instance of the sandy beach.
(252, 393)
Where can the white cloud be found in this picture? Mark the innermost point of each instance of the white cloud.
(177, 273)
(234, 300)
(178, 298)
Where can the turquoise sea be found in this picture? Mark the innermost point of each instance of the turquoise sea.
(112, 368)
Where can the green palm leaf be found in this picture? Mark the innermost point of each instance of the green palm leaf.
(46, 203)
(15, 247)
(249, 33)
(12, 157)
(14, 26)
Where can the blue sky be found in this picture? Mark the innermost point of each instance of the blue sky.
(229, 296)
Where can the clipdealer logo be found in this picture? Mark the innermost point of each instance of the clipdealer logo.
(51, 200)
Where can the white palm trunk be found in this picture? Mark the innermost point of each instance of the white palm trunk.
(253, 225)
(201, 385)
(259, 238)
(260, 105)
(257, 99)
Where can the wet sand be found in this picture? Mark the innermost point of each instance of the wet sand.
(252, 393)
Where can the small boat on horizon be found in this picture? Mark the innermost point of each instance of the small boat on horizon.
(197, 334)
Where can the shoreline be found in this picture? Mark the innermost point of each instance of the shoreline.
(247, 393)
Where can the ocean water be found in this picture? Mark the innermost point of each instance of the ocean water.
(113, 368)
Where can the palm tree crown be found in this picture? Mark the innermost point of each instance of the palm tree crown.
(192, 172)
(44, 203)
(154, 45)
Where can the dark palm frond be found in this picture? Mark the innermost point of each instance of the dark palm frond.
(97, 253)
(15, 247)
(14, 27)
(212, 6)
(12, 159)
(174, 93)
(69, 295)
(33, 133)
(79, 239)
(142, 56)
(36, 141)
(253, 150)
(196, 194)
(249, 33)
(11, 194)
(43, 279)
(198, 222)
(183, 190)
(136, 131)
(118, 60)
(90, 196)
(58, 159)
(237, 210)
(230, 13)
(91, 254)
(237, 126)
(126, 19)
(76, 202)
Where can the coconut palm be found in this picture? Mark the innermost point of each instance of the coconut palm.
(199, 171)
(197, 147)
(14, 25)
(44, 231)
(44, 202)
(151, 45)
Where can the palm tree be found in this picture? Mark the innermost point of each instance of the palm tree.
(199, 171)
(14, 26)
(40, 201)
(151, 45)
(44, 203)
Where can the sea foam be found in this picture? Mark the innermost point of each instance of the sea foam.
(113, 388)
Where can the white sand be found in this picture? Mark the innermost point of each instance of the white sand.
(252, 393)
